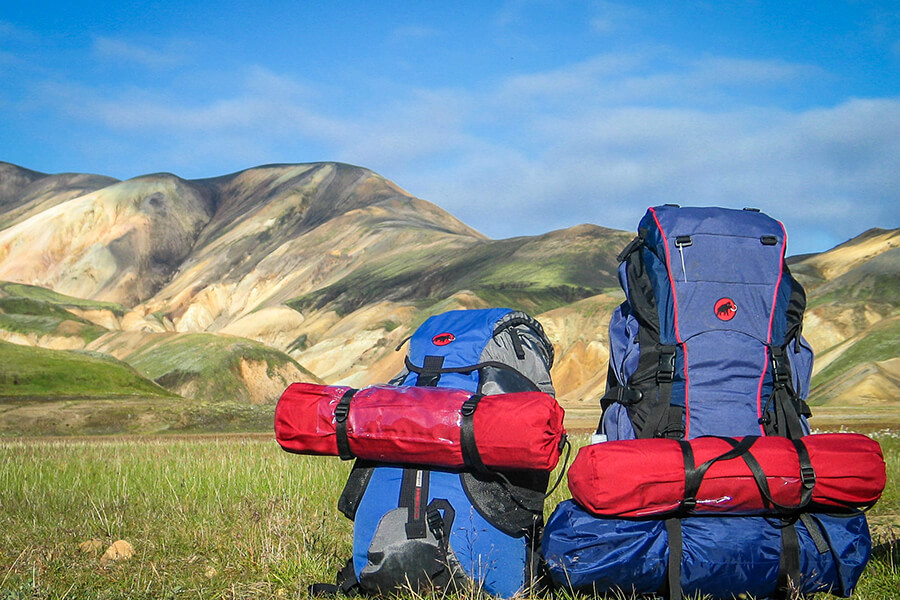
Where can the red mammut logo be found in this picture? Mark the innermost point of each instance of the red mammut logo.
(726, 309)
(442, 339)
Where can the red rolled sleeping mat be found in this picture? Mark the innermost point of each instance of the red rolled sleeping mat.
(440, 427)
(751, 475)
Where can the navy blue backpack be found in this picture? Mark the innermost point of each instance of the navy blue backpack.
(422, 527)
(707, 342)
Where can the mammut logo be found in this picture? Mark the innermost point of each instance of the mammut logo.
(726, 309)
(442, 339)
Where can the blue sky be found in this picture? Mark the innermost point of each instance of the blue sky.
(518, 117)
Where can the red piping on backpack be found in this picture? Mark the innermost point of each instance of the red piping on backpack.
(687, 405)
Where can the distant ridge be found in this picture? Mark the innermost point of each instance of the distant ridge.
(318, 271)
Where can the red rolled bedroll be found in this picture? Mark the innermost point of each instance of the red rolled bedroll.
(752, 475)
(439, 427)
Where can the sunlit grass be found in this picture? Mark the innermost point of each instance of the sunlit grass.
(221, 517)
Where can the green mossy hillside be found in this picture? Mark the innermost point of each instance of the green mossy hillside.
(31, 372)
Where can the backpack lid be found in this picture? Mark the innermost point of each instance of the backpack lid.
(459, 336)
(472, 349)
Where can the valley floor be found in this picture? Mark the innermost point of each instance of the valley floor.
(220, 516)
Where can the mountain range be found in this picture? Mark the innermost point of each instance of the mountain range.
(189, 305)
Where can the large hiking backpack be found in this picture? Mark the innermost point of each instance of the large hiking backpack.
(415, 527)
(707, 343)
(708, 340)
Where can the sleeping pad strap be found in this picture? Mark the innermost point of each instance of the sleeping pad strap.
(341, 412)
(471, 456)
(676, 552)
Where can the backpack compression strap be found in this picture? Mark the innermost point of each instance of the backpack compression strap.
(693, 475)
(784, 409)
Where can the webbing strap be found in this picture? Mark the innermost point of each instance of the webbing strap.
(517, 343)
(440, 525)
(341, 413)
(414, 497)
(693, 476)
(815, 533)
(347, 583)
(431, 371)
(471, 456)
(789, 568)
(786, 407)
(658, 423)
(676, 552)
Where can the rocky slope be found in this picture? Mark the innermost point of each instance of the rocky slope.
(227, 288)
(852, 319)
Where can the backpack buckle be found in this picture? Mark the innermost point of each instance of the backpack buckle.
(628, 395)
(341, 411)
(435, 523)
(468, 407)
(665, 372)
(780, 375)
(807, 477)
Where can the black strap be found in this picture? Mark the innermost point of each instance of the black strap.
(346, 583)
(807, 472)
(471, 456)
(783, 408)
(789, 569)
(674, 429)
(414, 497)
(633, 245)
(665, 376)
(341, 412)
(430, 373)
(563, 443)
(517, 343)
(439, 524)
(693, 476)
(815, 533)
(676, 552)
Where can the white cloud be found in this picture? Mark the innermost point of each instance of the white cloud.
(597, 141)
(152, 55)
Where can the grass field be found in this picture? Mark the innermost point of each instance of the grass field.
(219, 517)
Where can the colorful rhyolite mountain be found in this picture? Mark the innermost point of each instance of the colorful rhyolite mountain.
(227, 289)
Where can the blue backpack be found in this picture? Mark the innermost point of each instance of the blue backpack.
(422, 527)
(708, 340)
(719, 557)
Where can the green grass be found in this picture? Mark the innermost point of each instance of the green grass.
(211, 363)
(524, 273)
(220, 517)
(40, 294)
(31, 310)
(227, 518)
(30, 372)
(27, 316)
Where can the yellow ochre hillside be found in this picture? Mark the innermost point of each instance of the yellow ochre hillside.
(223, 290)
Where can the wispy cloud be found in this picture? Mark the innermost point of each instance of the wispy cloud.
(158, 55)
(614, 17)
(596, 141)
